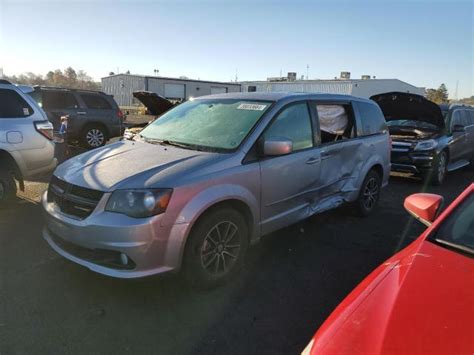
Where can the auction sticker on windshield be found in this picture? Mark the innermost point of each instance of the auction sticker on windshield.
(253, 107)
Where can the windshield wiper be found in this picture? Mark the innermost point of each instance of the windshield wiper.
(167, 142)
(455, 246)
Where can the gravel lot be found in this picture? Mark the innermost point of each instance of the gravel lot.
(291, 282)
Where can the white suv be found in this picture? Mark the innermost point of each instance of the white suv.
(26, 141)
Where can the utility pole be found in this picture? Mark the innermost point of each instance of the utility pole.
(307, 71)
(456, 92)
(236, 76)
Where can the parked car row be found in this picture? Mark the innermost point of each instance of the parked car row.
(195, 188)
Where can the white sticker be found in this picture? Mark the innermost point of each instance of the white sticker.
(253, 107)
(26, 112)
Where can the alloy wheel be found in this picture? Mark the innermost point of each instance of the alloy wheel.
(221, 248)
(95, 137)
(371, 193)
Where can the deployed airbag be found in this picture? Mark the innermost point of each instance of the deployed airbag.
(332, 118)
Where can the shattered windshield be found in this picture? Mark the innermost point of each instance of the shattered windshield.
(220, 124)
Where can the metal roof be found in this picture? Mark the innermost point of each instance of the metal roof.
(174, 79)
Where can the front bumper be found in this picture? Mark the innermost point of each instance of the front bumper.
(100, 241)
(412, 162)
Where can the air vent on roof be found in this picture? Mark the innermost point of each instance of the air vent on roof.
(365, 77)
(345, 74)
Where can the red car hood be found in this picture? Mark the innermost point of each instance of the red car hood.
(420, 302)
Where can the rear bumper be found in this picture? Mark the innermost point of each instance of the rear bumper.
(40, 173)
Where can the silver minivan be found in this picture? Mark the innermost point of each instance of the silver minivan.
(211, 176)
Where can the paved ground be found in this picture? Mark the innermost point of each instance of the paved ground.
(291, 282)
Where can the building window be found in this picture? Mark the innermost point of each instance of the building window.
(252, 88)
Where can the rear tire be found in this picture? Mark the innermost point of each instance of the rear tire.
(7, 188)
(216, 248)
(440, 168)
(369, 194)
(94, 136)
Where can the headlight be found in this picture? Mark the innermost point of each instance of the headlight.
(426, 145)
(139, 203)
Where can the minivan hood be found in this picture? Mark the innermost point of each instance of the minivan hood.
(155, 103)
(127, 164)
(402, 105)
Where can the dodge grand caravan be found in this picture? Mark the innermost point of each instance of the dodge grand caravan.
(210, 177)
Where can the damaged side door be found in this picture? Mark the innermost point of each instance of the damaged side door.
(342, 155)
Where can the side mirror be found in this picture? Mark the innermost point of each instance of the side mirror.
(424, 207)
(459, 128)
(274, 146)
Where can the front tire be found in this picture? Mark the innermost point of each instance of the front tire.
(94, 136)
(369, 194)
(7, 188)
(440, 169)
(216, 248)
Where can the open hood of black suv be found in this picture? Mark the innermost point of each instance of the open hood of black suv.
(155, 103)
(406, 106)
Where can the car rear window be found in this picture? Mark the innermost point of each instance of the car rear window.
(372, 119)
(96, 102)
(12, 105)
(58, 100)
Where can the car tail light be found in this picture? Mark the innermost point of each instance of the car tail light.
(45, 128)
(121, 115)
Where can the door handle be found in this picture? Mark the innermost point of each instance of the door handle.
(81, 113)
(313, 160)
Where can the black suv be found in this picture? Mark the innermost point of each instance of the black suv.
(428, 140)
(94, 117)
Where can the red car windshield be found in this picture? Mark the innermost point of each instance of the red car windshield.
(457, 231)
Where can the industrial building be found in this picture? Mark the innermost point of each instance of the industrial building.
(365, 87)
(121, 86)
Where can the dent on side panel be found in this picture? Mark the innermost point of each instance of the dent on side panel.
(341, 174)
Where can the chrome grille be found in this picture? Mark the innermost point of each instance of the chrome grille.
(401, 146)
(76, 201)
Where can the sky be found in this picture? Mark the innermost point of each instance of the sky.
(424, 43)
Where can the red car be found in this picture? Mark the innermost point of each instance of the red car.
(420, 301)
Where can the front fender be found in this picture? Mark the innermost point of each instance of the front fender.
(215, 194)
(199, 204)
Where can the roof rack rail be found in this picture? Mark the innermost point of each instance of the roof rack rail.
(3, 81)
(36, 87)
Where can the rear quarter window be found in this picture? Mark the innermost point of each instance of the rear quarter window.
(59, 100)
(96, 102)
(371, 119)
(12, 105)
